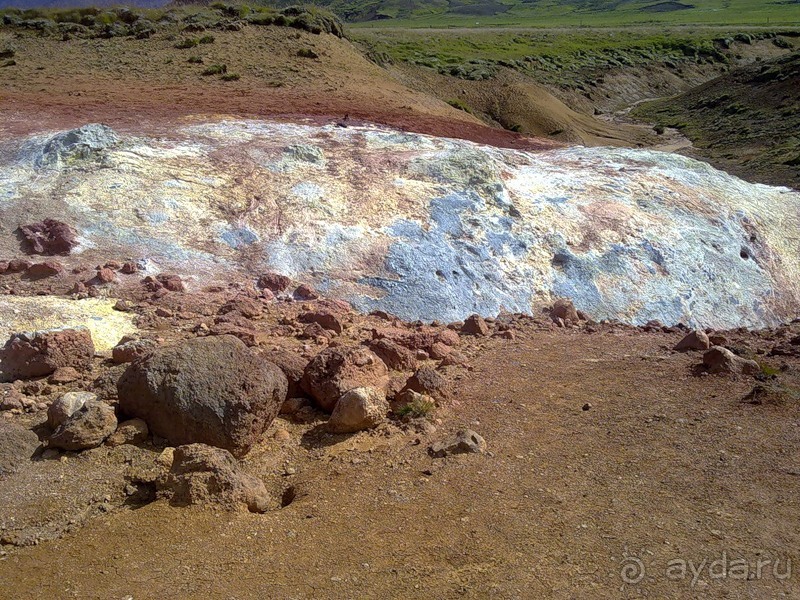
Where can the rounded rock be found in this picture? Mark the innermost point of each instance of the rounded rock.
(211, 390)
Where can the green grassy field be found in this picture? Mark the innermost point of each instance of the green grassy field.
(474, 53)
(556, 13)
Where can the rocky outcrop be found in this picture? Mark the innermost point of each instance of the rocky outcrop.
(445, 229)
(694, 340)
(210, 390)
(39, 353)
(48, 237)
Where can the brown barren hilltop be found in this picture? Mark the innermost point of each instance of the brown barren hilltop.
(149, 84)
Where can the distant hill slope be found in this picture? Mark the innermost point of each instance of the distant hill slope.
(555, 12)
(746, 121)
(470, 13)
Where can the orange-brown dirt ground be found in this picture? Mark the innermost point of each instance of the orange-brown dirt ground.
(603, 444)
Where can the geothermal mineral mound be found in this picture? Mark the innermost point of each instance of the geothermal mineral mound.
(422, 227)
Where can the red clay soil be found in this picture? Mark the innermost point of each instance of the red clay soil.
(144, 109)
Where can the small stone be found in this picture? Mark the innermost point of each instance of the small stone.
(427, 381)
(19, 265)
(475, 325)
(438, 350)
(67, 405)
(122, 306)
(465, 442)
(454, 358)
(274, 282)
(359, 409)
(17, 445)
(129, 268)
(166, 457)
(694, 340)
(293, 366)
(305, 292)
(129, 351)
(334, 371)
(50, 454)
(10, 397)
(171, 282)
(721, 360)
(587, 406)
(86, 428)
(64, 375)
(202, 475)
(42, 270)
(105, 275)
(395, 356)
(246, 307)
(717, 340)
(27, 355)
(294, 405)
(132, 431)
(48, 237)
(564, 309)
(325, 319)
(281, 435)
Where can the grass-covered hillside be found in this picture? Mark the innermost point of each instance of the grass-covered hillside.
(747, 121)
(142, 22)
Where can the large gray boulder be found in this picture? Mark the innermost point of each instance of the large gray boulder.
(211, 390)
(67, 148)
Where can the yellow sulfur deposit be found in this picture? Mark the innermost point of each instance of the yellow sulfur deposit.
(107, 326)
